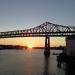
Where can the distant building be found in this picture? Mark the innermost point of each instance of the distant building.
(70, 45)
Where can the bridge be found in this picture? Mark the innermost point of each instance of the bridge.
(46, 30)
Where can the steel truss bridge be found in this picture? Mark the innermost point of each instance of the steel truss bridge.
(46, 30)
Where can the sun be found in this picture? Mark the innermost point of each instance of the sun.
(30, 46)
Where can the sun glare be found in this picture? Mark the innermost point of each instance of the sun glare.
(30, 46)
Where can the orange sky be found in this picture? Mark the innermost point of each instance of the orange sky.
(35, 41)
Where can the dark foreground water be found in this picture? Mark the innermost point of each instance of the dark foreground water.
(30, 62)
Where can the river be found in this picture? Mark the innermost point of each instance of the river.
(30, 62)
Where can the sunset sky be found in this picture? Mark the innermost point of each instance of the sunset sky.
(24, 14)
(34, 41)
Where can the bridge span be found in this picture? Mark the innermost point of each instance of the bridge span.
(46, 30)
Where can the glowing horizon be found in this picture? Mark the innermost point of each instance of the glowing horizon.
(34, 41)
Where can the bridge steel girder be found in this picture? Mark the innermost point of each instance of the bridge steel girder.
(41, 31)
(37, 34)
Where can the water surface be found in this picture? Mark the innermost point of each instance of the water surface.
(29, 62)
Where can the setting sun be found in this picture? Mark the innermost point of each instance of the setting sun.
(30, 46)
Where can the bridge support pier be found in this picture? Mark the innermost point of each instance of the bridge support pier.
(47, 46)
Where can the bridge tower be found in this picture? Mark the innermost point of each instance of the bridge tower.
(47, 46)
